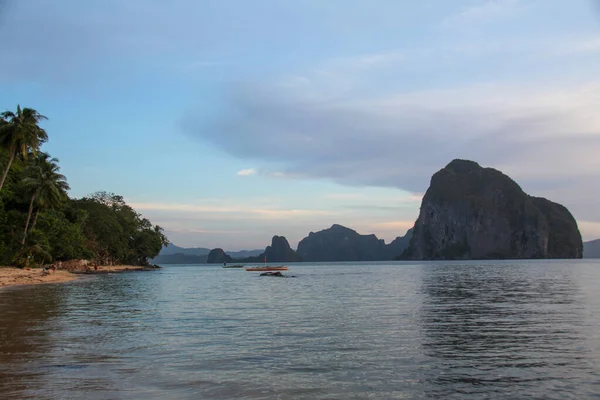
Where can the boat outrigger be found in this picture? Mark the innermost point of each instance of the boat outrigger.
(265, 269)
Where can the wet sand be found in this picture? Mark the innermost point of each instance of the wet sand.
(10, 276)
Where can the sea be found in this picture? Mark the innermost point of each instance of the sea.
(393, 330)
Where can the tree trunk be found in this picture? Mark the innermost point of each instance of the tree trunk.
(28, 219)
(37, 212)
(10, 160)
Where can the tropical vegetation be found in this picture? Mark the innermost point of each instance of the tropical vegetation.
(40, 223)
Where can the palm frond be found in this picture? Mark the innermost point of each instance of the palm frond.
(8, 115)
(30, 113)
(45, 182)
(21, 131)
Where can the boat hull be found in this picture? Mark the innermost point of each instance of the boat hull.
(265, 269)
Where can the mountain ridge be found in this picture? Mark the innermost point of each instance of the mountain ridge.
(339, 243)
(591, 249)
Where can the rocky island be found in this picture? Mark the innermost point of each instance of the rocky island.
(278, 251)
(470, 212)
(218, 256)
(339, 243)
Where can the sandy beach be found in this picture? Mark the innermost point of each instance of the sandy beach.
(10, 276)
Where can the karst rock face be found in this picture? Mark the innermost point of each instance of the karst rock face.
(280, 251)
(218, 256)
(339, 243)
(470, 212)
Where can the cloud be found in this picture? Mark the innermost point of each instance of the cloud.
(204, 231)
(70, 40)
(574, 47)
(589, 230)
(541, 135)
(183, 208)
(366, 61)
(288, 214)
(250, 226)
(247, 172)
(235, 211)
(485, 12)
(395, 226)
(394, 198)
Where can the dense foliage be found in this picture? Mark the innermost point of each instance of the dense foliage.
(39, 223)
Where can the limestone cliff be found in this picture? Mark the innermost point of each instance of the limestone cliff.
(218, 256)
(278, 251)
(470, 212)
(339, 243)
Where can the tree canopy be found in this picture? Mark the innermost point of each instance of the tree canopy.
(40, 223)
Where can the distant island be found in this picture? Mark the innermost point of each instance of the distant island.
(173, 254)
(470, 212)
(278, 251)
(591, 249)
(339, 243)
(336, 243)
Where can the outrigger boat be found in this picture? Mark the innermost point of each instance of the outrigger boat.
(233, 266)
(267, 268)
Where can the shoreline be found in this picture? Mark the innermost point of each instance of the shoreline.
(11, 276)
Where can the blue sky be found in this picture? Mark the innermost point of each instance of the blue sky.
(229, 121)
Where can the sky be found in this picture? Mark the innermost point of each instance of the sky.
(229, 121)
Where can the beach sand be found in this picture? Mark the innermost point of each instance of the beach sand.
(15, 276)
(10, 276)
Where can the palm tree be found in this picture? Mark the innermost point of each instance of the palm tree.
(47, 186)
(31, 253)
(20, 134)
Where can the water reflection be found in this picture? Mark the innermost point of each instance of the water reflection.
(501, 329)
(67, 338)
(24, 338)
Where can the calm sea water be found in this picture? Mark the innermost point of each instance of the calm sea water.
(338, 331)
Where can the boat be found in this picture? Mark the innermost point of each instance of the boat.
(233, 266)
(267, 268)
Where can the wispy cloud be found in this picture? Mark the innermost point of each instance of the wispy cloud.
(247, 172)
(195, 65)
(252, 226)
(573, 47)
(238, 210)
(365, 61)
(183, 207)
(376, 203)
(485, 12)
(204, 231)
(395, 226)
(287, 214)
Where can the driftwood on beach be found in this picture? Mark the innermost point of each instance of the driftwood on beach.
(91, 267)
